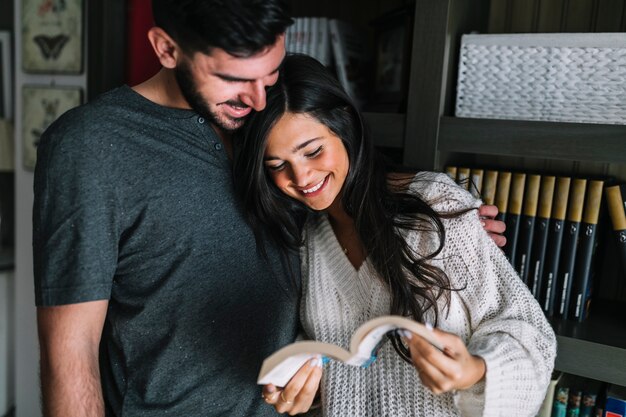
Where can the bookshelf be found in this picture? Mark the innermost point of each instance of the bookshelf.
(595, 348)
(429, 137)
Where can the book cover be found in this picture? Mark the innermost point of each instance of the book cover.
(588, 404)
(476, 182)
(502, 195)
(615, 202)
(555, 240)
(313, 35)
(581, 282)
(527, 227)
(488, 192)
(290, 37)
(570, 242)
(463, 177)
(573, 402)
(546, 406)
(559, 407)
(323, 41)
(451, 171)
(540, 239)
(278, 368)
(513, 217)
(352, 58)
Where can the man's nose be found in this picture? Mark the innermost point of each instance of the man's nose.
(255, 97)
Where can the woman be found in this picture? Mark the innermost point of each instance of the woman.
(375, 245)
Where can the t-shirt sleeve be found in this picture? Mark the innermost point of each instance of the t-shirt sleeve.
(75, 230)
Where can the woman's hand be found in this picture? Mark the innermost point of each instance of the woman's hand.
(494, 228)
(452, 369)
(299, 393)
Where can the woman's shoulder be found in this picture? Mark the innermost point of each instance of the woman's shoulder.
(438, 190)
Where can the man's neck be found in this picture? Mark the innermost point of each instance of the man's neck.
(162, 89)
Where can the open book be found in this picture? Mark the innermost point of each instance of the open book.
(279, 367)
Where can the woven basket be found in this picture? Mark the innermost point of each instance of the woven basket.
(570, 77)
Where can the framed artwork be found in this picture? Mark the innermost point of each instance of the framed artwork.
(6, 84)
(41, 107)
(52, 36)
(393, 33)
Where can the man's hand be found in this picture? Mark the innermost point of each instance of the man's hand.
(494, 228)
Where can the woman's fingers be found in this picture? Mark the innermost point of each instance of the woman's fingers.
(298, 395)
(451, 369)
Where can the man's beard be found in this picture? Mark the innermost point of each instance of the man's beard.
(188, 88)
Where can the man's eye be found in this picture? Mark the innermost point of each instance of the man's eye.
(314, 153)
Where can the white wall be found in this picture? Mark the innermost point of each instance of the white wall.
(26, 346)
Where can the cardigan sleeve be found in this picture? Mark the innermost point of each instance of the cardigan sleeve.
(507, 327)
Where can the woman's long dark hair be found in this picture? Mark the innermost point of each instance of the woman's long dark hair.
(381, 212)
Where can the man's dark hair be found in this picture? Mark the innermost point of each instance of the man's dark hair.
(240, 27)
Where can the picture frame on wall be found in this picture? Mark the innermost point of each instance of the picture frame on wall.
(42, 105)
(393, 35)
(6, 79)
(52, 36)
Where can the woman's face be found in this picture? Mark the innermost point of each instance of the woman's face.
(306, 160)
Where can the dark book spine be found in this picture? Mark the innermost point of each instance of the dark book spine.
(616, 200)
(513, 217)
(553, 251)
(581, 284)
(502, 195)
(570, 243)
(540, 240)
(527, 227)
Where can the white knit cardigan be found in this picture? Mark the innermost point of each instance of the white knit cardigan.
(494, 313)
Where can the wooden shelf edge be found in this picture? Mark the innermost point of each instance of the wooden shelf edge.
(521, 138)
(591, 360)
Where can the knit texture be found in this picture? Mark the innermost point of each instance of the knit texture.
(494, 313)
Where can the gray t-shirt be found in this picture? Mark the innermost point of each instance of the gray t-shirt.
(134, 204)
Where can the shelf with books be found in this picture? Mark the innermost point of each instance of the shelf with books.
(550, 140)
(595, 348)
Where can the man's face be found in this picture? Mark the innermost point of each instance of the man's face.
(224, 88)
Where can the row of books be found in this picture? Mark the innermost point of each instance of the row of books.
(551, 231)
(574, 396)
(335, 43)
(616, 199)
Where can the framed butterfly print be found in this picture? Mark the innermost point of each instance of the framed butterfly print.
(52, 36)
(41, 106)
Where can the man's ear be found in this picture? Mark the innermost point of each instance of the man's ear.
(164, 46)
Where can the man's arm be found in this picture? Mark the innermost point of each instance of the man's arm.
(69, 339)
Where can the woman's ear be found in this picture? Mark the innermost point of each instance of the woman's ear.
(164, 46)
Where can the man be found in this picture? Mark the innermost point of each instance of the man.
(147, 277)
(152, 298)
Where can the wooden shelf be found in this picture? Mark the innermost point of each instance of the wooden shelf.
(550, 140)
(595, 348)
